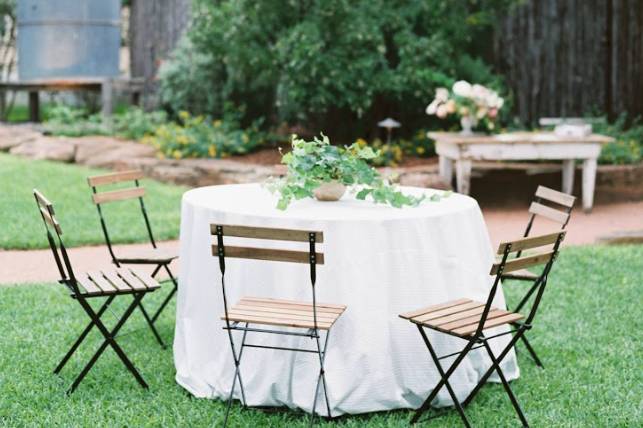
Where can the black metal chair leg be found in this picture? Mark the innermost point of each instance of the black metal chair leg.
(445, 375)
(484, 377)
(165, 302)
(82, 336)
(532, 352)
(237, 374)
(445, 379)
(512, 397)
(170, 295)
(150, 323)
(321, 379)
(109, 340)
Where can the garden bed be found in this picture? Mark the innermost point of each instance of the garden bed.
(614, 182)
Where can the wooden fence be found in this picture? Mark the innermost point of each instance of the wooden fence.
(573, 57)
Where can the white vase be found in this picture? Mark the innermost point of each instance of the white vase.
(467, 123)
(331, 191)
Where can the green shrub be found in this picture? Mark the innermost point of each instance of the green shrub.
(393, 153)
(74, 122)
(628, 147)
(331, 64)
(133, 123)
(201, 137)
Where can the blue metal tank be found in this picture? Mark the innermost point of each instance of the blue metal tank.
(59, 39)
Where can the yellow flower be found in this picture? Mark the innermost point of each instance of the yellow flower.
(176, 154)
(397, 153)
(361, 142)
(212, 150)
(184, 115)
(420, 150)
(216, 123)
(182, 139)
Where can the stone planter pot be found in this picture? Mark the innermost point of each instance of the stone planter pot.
(332, 191)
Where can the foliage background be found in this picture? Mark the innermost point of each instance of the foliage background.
(333, 65)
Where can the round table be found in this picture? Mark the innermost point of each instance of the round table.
(379, 261)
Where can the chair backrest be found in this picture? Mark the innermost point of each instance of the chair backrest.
(544, 257)
(553, 205)
(53, 228)
(310, 257)
(103, 197)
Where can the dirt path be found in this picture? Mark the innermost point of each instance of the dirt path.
(38, 265)
(503, 224)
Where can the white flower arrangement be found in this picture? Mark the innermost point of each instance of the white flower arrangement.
(472, 103)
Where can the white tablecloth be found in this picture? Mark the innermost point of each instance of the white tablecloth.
(380, 262)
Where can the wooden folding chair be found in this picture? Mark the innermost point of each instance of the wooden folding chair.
(151, 256)
(91, 285)
(557, 207)
(467, 319)
(313, 317)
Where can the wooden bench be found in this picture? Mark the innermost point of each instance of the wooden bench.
(105, 86)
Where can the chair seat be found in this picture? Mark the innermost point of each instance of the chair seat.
(520, 274)
(148, 256)
(285, 313)
(115, 281)
(460, 317)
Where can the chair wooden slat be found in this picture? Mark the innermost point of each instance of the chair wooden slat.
(523, 262)
(521, 274)
(131, 280)
(267, 233)
(505, 319)
(268, 302)
(98, 279)
(457, 316)
(115, 177)
(117, 281)
(89, 287)
(530, 242)
(448, 311)
(283, 311)
(548, 212)
(555, 196)
(432, 308)
(283, 322)
(295, 317)
(43, 202)
(149, 282)
(51, 220)
(475, 320)
(118, 195)
(268, 254)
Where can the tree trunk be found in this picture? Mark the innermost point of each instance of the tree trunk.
(155, 28)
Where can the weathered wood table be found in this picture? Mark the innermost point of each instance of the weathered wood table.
(464, 149)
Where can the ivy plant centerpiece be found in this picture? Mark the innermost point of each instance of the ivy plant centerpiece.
(318, 169)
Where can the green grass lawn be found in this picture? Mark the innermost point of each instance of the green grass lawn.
(66, 186)
(588, 334)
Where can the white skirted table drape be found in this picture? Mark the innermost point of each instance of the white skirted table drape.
(379, 261)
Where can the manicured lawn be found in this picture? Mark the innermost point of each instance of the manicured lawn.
(66, 187)
(589, 335)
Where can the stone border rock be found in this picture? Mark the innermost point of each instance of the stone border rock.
(622, 238)
(112, 153)
(116, 154)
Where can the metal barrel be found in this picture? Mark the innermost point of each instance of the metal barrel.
(59, 39)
